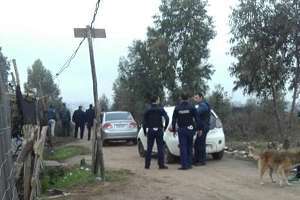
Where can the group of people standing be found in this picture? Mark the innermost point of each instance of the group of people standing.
(79, 118)
(64, 116)
(187, 120)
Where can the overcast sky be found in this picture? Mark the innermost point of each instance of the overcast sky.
(35, 29)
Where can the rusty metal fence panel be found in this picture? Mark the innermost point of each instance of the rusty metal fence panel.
(7, 169)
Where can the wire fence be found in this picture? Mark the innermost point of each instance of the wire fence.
(10, 171)
(7, 168)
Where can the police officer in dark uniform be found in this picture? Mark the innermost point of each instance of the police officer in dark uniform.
(185, 116)
(203, 111)
(154, 129)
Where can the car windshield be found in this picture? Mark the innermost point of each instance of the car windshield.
(118, 116)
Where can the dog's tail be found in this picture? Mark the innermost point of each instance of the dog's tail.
(253, 153)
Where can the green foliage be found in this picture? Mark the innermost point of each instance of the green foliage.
(186, 30)
(259, 44)
(172, 58)
(265, 41)
(60, 178)
(104, 103)
(255, 121)
(73, 178)
(40, 79)
(220, 102)
(4, 67)
(63, 153)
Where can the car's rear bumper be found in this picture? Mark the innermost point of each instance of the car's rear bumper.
(119, 135)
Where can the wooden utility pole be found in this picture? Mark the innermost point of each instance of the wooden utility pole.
(97, 157)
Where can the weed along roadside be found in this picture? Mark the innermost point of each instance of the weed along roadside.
(66, 179)
(66, 152)
(62, 177)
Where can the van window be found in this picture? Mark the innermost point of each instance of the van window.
(213, 122)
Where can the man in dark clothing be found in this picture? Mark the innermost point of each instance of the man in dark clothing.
(65, 117)
(185, 116)
(203, 111)
(154, 129)
(79, 120)
(89, 118)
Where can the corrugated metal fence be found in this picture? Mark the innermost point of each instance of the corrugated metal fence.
(7, 169)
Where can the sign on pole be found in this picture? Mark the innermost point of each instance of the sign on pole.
(96, 33)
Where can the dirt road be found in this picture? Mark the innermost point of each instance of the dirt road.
(228, 179)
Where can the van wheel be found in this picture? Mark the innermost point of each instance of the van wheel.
(218, 155)
(169, 158)
(141, 149)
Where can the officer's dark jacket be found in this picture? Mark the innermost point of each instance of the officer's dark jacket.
(78, 117)
(153, 117)
(185, 115)
(90, 116)
(203, 111)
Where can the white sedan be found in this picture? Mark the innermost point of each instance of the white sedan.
(215, 140)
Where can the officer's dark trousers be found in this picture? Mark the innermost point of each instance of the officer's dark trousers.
(66, 128)
(158, 136)
(81, 126)
(186, 146)
(89, 127)
(200, 148)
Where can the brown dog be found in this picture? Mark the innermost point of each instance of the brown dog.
(280, 161)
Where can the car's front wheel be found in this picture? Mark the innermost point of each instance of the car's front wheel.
(141, 149)
(169, 157)
(218, 155)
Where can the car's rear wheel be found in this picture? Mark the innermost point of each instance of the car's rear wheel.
(169, 157)
(141, 149)
(218, 155)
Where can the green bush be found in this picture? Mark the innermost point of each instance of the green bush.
(63, 153)
(60, 178)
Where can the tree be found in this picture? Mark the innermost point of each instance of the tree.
(104, 102)
(171, 59)
(289, 10)
(40, 79)
(220, 102)
(259, 42)
(186, 29)
(4, 67)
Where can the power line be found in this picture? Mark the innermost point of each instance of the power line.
(95, 13)
(68, 62)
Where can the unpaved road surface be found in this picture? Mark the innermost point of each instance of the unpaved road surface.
(228, 179)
